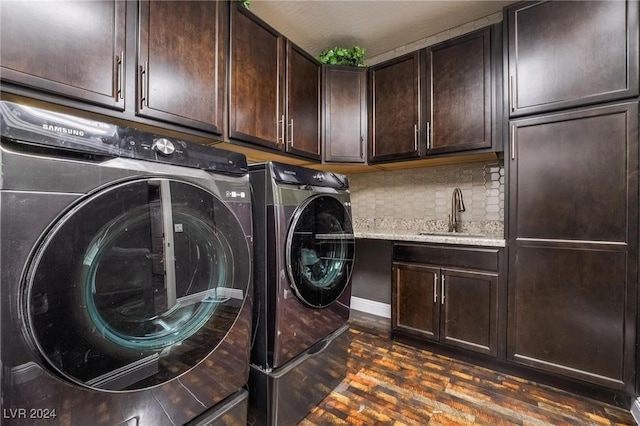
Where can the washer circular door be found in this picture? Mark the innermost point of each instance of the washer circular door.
(137, 284)
(320, 250)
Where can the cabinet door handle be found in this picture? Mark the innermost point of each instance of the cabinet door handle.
(291, 133)
(435, 288)
(513, 142)
(442, 290)
(119, 94)
(280, 123)
(428, 135)
(512, 89)
(361, 146)
(144, 82)
(415, 137)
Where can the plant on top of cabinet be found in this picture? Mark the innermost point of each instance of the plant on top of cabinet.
(353, 57)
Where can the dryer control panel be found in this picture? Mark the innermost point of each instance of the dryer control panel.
(287, 173)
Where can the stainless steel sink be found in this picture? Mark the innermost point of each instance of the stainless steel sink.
(452, 234)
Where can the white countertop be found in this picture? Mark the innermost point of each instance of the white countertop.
(440, 238)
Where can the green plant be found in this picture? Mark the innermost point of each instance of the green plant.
(245, 3)
(342, 56)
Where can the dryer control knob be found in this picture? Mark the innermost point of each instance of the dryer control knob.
(319, 177)
(164, 146)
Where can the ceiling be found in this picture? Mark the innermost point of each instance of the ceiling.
(379, 26)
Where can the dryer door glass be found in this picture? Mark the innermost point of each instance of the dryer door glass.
(320, 250)
(137, 284)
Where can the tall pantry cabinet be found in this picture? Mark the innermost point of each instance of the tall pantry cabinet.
(573, 193)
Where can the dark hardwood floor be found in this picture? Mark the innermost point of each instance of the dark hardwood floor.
(389, 383)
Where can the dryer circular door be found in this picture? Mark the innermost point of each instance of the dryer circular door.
(136, 284)
(320, 250)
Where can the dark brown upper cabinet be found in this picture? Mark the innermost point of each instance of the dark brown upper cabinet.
(566, 54)
(443, 99)
(74, 49)
(302, 103)
(344, 114)
(395, 109)
(181, 62)
(256, 111)
(159, 63)
(262, 112)
(458, 96)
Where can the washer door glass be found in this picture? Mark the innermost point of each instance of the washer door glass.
(137, 284)
(320, 250)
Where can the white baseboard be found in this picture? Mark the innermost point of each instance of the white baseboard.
(371, 307)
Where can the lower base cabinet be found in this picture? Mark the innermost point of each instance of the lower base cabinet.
(447, 295)
(569, 313)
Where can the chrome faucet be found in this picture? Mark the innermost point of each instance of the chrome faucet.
(457, 205)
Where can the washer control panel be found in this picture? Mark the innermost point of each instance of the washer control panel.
(63, 133)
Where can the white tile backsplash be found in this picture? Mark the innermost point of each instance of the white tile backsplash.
(421, 197)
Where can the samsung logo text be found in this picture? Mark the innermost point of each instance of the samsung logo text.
(65, 130)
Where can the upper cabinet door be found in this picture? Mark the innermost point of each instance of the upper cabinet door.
(565, 54)
(181, 67)
(395, 107)
(344, 130)
(69, 48)
(303, 103)
(458, 106)
(256, 113)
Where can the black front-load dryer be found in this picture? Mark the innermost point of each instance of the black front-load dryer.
(126, 287)
(304, 253)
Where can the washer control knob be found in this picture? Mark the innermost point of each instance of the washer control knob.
(164, 146)
(319, 177)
